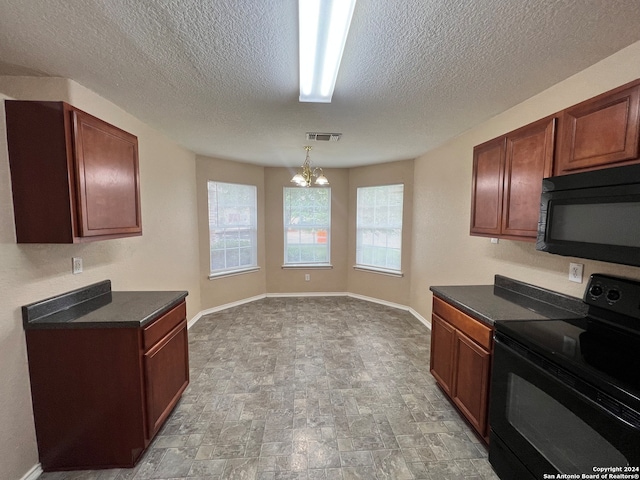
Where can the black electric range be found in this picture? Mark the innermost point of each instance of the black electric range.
(555, 382)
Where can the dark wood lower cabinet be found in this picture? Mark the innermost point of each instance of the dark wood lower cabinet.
(166, 375)
(471, 375)
(101, 394)
(442, 352)
(461, 361)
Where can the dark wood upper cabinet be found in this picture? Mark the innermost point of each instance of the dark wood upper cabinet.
(528, 159)
(507, 181)
(486, 197)
(74, 177)
(600, 132)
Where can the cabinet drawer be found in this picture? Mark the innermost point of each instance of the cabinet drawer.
(471, 327)
(163, 325)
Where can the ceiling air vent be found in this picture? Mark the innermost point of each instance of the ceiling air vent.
(323, 137)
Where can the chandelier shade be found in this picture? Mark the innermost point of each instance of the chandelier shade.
(304, 177)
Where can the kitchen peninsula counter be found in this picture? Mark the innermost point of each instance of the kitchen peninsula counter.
(106, 369)
(96, 306)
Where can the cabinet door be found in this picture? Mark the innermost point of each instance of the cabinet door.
(486, 195)
(600, 132)
(471, 381)
(107, 178)
(166, 370)
(442, 352)
(528, 159)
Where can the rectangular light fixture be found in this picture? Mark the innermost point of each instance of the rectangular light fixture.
(323, 25)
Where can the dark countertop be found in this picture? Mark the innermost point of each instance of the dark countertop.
(96, 306)
(509, 299)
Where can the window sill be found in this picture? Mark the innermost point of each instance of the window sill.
(381, 271)
(315, 266)
(231, 273)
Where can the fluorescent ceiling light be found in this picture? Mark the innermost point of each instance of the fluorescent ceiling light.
(324, 25)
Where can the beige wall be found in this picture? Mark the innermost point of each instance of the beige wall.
(443, 251)
(272, 278)
(164, 258)
(384, 287)
(437, 249)
(228, 289)
(281, 280)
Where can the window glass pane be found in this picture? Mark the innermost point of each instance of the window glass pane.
(232, 226)
(307, 225)
(379, 226)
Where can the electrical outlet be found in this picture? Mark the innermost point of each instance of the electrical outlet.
(575, 272)
(494, 240)
(76, 265)
(307, 277)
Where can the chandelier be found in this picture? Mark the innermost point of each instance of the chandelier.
(303, 178)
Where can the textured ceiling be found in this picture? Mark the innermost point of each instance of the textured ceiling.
(220, 76)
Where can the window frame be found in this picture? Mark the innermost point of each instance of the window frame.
(372, 266)
(317, 226)
(251, 228)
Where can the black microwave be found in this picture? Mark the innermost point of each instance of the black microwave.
(592, 215)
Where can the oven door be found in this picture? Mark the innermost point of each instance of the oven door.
(540, 424)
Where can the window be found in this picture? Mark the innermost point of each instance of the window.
(379, 227)
(307, 226)
(232, 227)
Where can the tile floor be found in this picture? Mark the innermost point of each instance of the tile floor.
(309, 388)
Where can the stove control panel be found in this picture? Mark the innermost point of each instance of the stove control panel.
(616, 294)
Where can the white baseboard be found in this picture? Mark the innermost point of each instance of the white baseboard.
(219, 308)
(378, 301)
(308, 294)
(33, 473)
(420, 318)
(399, 306)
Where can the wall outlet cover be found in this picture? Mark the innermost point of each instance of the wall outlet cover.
(575, 272)
(76, 265)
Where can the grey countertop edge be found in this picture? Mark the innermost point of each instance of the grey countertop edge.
(519, 294)
(72, 317)
(478, 315)
(181, 296)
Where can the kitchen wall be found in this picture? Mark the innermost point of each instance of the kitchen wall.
(224, 290)
(383, 287)
(173, 189)
(272, 278)
(443, 251)
(291, 280)
(164, 258)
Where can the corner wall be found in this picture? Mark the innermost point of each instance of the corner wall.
(228, 289)
(371, 284)
(443, 251)
(291, 280)
(165, 257)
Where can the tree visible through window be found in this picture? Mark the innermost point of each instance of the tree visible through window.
(379, 227)
(307, 226)
(232, 226)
